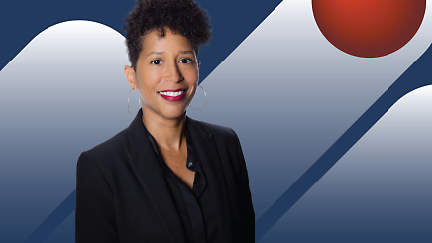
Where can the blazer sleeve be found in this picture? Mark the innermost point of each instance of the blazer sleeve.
(94, 206)
(248, 212)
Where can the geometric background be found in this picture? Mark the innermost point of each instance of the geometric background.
(287, 92)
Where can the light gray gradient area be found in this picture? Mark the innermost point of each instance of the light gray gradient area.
(380, 191)
(289, 94)
(63, 94)
(286, 91)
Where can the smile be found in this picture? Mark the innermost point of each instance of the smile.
(172, 95)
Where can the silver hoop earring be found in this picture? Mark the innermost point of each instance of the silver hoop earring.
(205, 102)
(139, 103)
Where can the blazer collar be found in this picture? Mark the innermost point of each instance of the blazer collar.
(138, 138)
(212, 166)
(143, 160)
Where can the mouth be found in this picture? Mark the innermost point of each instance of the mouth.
(172, 95)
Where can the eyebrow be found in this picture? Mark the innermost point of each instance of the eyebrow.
(154, 53)
(186, 52)
(160, 53)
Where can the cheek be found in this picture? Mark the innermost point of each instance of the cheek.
(193, 89)
(193, 92)
(146, 86)
(149, 82)
(191, 75)
(194, 84)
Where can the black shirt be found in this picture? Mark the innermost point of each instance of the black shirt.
(195, 208)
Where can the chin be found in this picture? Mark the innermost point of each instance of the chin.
(173, 114)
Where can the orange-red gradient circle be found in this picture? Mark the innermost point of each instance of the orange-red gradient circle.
(368, 28)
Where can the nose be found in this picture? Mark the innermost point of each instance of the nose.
(172, 72)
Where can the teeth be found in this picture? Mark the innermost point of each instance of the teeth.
(172, 93)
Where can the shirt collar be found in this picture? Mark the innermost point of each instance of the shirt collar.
(192, 157)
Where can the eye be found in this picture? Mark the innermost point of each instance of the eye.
(157, 62)
(186, 60)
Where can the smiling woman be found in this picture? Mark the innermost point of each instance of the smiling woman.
(166, 74)
(166, 177)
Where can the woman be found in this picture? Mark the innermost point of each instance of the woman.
(167, 177)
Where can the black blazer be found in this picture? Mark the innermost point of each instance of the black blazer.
(121, 195)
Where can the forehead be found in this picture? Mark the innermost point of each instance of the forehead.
(166, 40)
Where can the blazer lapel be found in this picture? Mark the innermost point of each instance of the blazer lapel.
(143, 161)
(212, 166)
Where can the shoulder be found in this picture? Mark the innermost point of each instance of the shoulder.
(105, 161)
(222, 134)
(215, 129)
(114, 144)
(108, 152)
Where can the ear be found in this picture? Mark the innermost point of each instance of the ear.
(199, 64)
(130, 75)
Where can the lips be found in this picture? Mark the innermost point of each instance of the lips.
(172, 95)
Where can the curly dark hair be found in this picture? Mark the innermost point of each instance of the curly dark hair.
(180, 16)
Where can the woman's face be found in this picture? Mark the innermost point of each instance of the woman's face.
(166, 74)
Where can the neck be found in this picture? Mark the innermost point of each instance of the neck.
(168, 133)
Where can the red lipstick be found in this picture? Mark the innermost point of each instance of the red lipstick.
(170, 94)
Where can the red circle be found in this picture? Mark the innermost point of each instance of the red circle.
(369, 28)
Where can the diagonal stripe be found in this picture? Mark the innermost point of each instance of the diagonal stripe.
(416, 76)
(54, 219)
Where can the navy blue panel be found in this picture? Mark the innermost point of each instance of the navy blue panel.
(232, 22)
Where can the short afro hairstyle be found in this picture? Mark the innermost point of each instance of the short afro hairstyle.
(180, 16)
